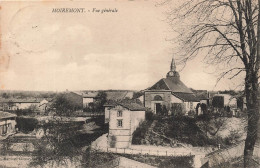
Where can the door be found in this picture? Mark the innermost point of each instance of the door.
(158, 108)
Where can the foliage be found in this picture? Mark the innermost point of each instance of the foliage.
(191, 113)
(93, 158)
(227, 33)
(140, 132)
(177, 109)
(113, 141)
(138, 94)
(60, 144)
(64, 106)
(182, 129)
(26, 124)
(218, 101)
(5, 95)
(200, 131)
(149, 115)
(98, 104)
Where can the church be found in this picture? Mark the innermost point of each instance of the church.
(170, 96)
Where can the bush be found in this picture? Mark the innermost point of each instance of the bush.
(140, 132)
(26, 124)
(177, 109)
(112, 143)
(191, 113)
(149, 115)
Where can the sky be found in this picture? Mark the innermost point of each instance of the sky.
(46, 51)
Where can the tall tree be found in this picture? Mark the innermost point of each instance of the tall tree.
(227, 31)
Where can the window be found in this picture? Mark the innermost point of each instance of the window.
(119, 113)
(119, 123)
(158, 98)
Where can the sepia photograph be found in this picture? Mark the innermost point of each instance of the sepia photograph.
(129, 84)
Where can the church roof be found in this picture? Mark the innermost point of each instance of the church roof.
(174, 85)
(189, 97)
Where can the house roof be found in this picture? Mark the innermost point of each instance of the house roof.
(174, 85)
(90, 94)
(201, 94)
(4, 115)
(130, 105)
(118, 95)
(190, 97)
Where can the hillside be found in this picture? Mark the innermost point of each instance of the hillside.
(190, 131)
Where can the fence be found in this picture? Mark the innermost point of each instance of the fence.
(89, 114)
(144, 152)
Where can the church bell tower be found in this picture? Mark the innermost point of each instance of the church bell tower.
(173, 74)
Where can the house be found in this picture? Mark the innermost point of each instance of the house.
(20, 104)
(169, 94)
(123, 118)
(7, 123)
(44, 105)
(88, 97)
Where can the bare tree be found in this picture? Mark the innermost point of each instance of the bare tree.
(227, 31)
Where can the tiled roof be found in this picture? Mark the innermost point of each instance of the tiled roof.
(116, 95)
(175, 85)
(111, 94)
(190, 97)
(6, 115)
(201, 94)
(131, 105)
(90, 94)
